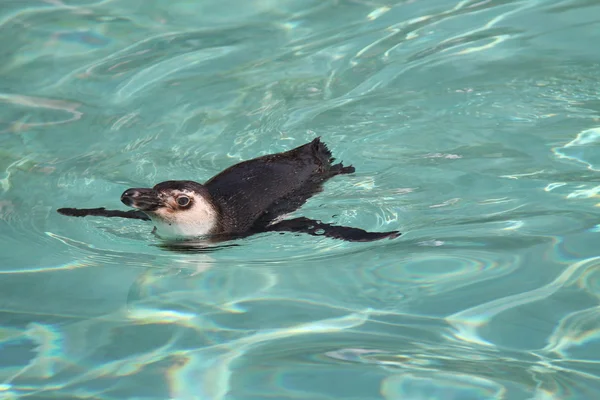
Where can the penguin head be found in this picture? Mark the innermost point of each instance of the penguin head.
(179, 209)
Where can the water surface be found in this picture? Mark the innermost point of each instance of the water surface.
(474, 128)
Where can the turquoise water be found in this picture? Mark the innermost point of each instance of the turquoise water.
(474, 127)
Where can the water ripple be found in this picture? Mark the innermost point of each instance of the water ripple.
(473, 126)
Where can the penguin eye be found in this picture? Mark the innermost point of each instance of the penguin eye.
(183, 201)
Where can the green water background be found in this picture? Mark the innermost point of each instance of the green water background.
(474, 128)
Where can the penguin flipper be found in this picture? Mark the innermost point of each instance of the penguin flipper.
(318, 228)
(102, 212)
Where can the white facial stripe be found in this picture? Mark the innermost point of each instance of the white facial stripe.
(176, 222)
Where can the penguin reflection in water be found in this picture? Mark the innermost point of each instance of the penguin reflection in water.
(245, 199)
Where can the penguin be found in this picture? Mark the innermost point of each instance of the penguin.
(245, 199)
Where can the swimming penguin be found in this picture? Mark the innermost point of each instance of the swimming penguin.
(245, 199)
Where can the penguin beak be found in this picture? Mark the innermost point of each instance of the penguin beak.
(141, 198)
